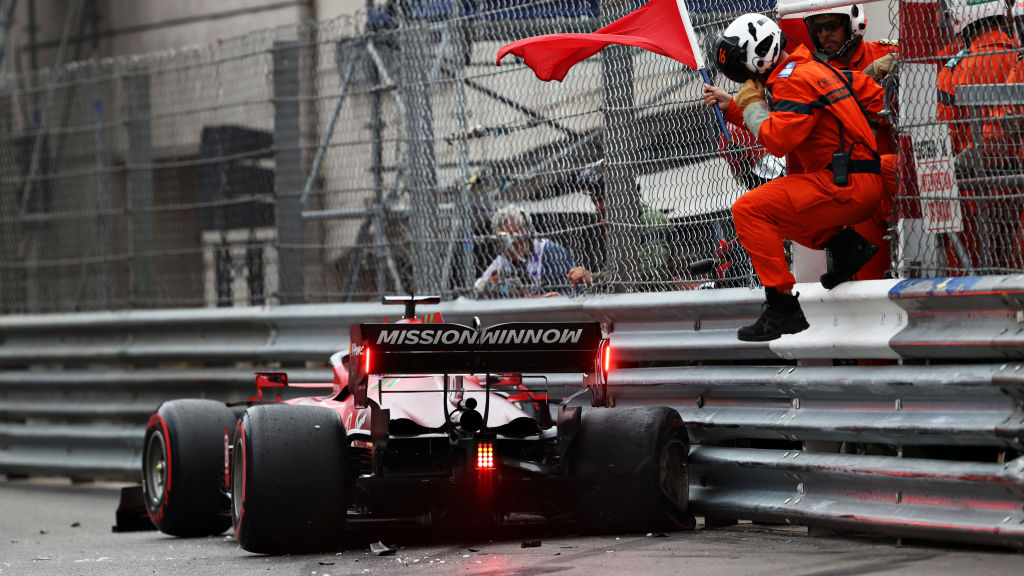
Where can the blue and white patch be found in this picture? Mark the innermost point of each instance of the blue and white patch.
(957, 58)
(787, 70)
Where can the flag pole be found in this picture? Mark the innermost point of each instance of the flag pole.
(684, 14)
(718, 111)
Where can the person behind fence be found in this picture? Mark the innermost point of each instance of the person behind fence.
(1003, 132)
(817, 114)
(838, 37)
(1000, 151)
(528, 265)
(653, 262)
(988, 58)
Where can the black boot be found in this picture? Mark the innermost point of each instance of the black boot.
(780, 314)
(847, 252)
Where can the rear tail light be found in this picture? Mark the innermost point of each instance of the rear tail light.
(606, 361)
(485, 456)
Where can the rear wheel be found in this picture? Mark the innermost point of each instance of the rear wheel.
(288, 479)
(632, 462)
(183, 467)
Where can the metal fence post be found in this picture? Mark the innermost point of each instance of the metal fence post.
(416, 49)
(288, 180)
(12, 271)
(462, 44)
(621, 142)
(140, 186)
(380, 249)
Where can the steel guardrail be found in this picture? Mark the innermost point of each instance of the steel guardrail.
(970, 502)
(924, 364)
(944, 405)
(972, 317)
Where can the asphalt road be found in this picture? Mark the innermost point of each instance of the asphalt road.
(53, 527)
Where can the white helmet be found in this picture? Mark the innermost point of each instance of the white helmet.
(962, 13)
(1018, 9)
(857, 23)
(748, 47)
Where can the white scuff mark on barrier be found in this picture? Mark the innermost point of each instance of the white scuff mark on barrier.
(853, 320)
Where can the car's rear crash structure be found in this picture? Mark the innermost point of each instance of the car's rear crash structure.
(423, 422)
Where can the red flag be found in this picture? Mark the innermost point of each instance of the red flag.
(660, 26)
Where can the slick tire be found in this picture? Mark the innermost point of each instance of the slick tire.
(631, 463)
(288, 479)
(183, 467)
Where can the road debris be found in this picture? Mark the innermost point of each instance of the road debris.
(381, 549)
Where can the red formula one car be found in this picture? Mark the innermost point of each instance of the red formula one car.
(424, 422)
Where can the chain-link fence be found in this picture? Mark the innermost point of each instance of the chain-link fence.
(961, 191)
(348, 159)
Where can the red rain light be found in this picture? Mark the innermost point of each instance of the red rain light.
(485, 456)
(607, 362)
(366, 365)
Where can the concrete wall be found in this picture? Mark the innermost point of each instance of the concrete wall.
(137, 26)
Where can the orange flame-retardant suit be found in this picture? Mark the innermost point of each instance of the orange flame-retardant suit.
(808, 104)
(1004, 151)
(1003, 131)
(875, 227)
(988, 59)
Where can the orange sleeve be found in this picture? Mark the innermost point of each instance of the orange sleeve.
(946, 86)
(792, 117)
(1002, 131)
(869, 93)
(735, 115)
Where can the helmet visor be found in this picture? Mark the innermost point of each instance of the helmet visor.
(826, 23)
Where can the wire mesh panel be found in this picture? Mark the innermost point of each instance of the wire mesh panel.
(387, 153)
(960, 205)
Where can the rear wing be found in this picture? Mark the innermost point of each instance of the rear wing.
(458, 349)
